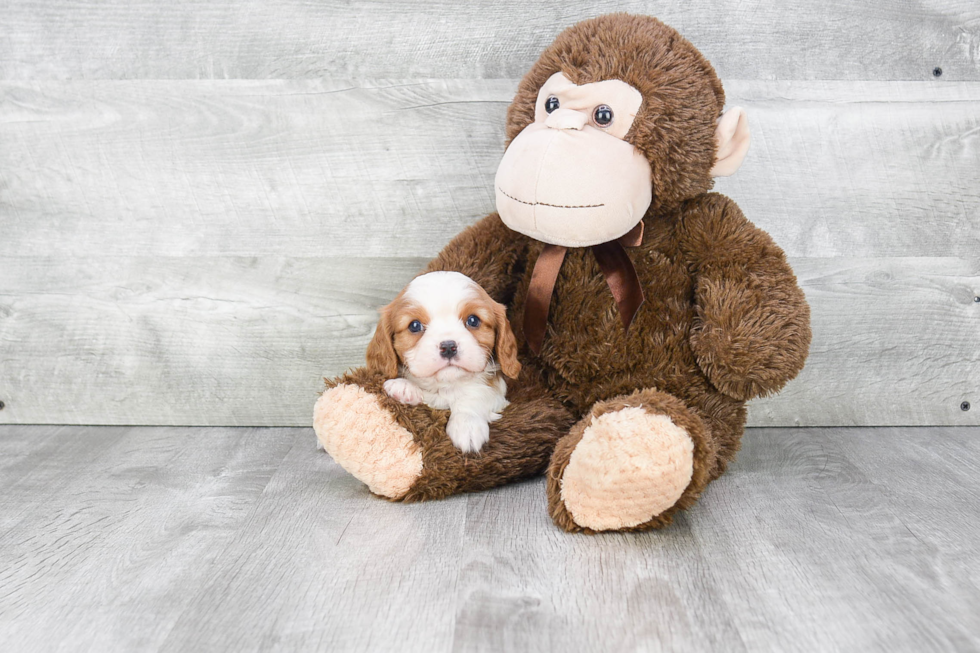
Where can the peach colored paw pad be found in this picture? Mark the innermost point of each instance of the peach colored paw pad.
(629, 467)
(364, 438)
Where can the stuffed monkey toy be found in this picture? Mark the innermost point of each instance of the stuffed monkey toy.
(647, 309)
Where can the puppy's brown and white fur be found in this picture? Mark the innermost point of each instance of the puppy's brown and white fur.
(450, 345)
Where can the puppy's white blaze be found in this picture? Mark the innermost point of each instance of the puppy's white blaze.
(443, 295)
(441, 289)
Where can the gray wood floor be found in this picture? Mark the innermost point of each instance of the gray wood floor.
(195, 539)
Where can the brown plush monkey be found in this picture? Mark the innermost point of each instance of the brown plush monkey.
(647, 309)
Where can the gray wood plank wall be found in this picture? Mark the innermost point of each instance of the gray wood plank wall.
(201, 207)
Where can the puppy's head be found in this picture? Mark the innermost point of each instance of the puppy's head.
(443, 325)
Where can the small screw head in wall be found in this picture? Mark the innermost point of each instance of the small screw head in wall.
(965, 406)
(937, 72)
(2, 405)
(976, 300)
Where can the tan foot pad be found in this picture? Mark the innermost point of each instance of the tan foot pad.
(629, 467)
(364, 438)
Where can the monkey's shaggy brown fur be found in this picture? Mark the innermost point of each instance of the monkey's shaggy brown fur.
(724, 319)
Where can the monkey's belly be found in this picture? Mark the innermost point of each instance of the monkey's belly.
(589, 354)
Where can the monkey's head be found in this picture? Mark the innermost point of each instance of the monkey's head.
(620, 115)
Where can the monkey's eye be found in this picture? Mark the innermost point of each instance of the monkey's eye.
(603, 115)
(473, 322)
(551, 104)
(415, 326)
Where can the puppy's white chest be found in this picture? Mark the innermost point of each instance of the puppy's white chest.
(440, 399)
(472, 403)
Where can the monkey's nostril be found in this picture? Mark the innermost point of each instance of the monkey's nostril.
(448, 349)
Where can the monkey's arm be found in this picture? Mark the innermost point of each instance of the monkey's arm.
(489, 253)
(751, 334)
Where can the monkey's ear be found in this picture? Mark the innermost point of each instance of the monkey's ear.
(732, 136)
(381, 356)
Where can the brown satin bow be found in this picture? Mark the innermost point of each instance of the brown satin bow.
(616, 267)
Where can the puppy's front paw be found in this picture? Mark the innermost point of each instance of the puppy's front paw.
(404, 391)
(468, 432)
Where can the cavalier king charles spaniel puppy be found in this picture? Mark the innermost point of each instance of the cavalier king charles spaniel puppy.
(450, 345)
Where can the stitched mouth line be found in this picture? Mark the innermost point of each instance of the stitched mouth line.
(557, 206)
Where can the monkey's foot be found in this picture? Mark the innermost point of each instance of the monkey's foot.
(364, 438)
(627, 468)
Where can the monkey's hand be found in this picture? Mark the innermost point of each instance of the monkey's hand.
(751, 333)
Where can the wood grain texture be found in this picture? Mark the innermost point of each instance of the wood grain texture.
(297, 168)
(126, 532)
(894, 343)
(752, 39)
(947, 465)
(185, 340)
(314, 168)
(336, 568)
(525, 585)
(798, 535)
(32, 466)
(245, 341)
(169, 539)
(863, 169)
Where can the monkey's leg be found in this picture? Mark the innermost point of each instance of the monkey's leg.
(403, 453)
(630, 464)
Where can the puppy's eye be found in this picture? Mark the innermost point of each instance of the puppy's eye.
(472, 321)
(603, 115)
(415, 326)
(551, 104)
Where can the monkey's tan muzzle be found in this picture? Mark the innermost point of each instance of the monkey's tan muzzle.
(565, 182)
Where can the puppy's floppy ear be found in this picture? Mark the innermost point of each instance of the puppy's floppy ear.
(381, 356)
(506, 346)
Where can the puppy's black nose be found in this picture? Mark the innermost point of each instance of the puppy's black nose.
(447, 349)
